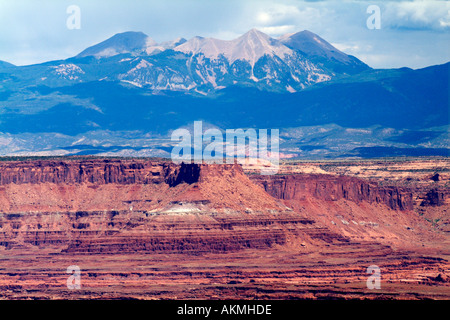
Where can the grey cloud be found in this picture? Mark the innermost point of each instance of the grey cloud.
(417, 15)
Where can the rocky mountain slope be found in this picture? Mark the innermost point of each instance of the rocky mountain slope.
(323, 53)
(206, 64)
(125, 95)
(198, 64)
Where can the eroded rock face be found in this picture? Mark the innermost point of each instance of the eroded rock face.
(205, 231)
(108, 206)
(332, 188)
(84, 171)
(434, 197)
(286, 187)
(149, 206)
(100, 172)
(185, 173)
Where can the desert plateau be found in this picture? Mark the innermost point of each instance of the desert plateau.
(146, 228)
(225, 158)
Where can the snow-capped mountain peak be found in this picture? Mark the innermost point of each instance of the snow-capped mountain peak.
(289, 63)
(311, 44)
(126, 42)
(209, 47)
(322, 52)
(250, 46)
(254, 44)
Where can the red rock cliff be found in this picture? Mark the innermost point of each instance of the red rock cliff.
(136, 205)
(102, 172)
(84, 171)
(330, 187)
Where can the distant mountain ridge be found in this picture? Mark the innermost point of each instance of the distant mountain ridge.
(201, 65)
(124, 96)
(290, 63)
(4, 64)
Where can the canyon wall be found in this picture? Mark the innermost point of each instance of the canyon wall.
(112, 206)
(98, 172)
(286, 187)
(333, 188)
(148, 229)
(106, 205)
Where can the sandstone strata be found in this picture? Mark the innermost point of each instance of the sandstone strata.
(137, 206)
(333, 188)
(149, 229)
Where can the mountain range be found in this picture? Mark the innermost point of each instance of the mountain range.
(125, 95)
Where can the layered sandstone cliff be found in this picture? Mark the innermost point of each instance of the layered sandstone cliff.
(97, 171)
(149, 230)
(113, 206)
(119, 184)
(286, 187)
(146, 206)
(333, 188)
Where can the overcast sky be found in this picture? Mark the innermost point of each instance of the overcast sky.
(413, 34)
